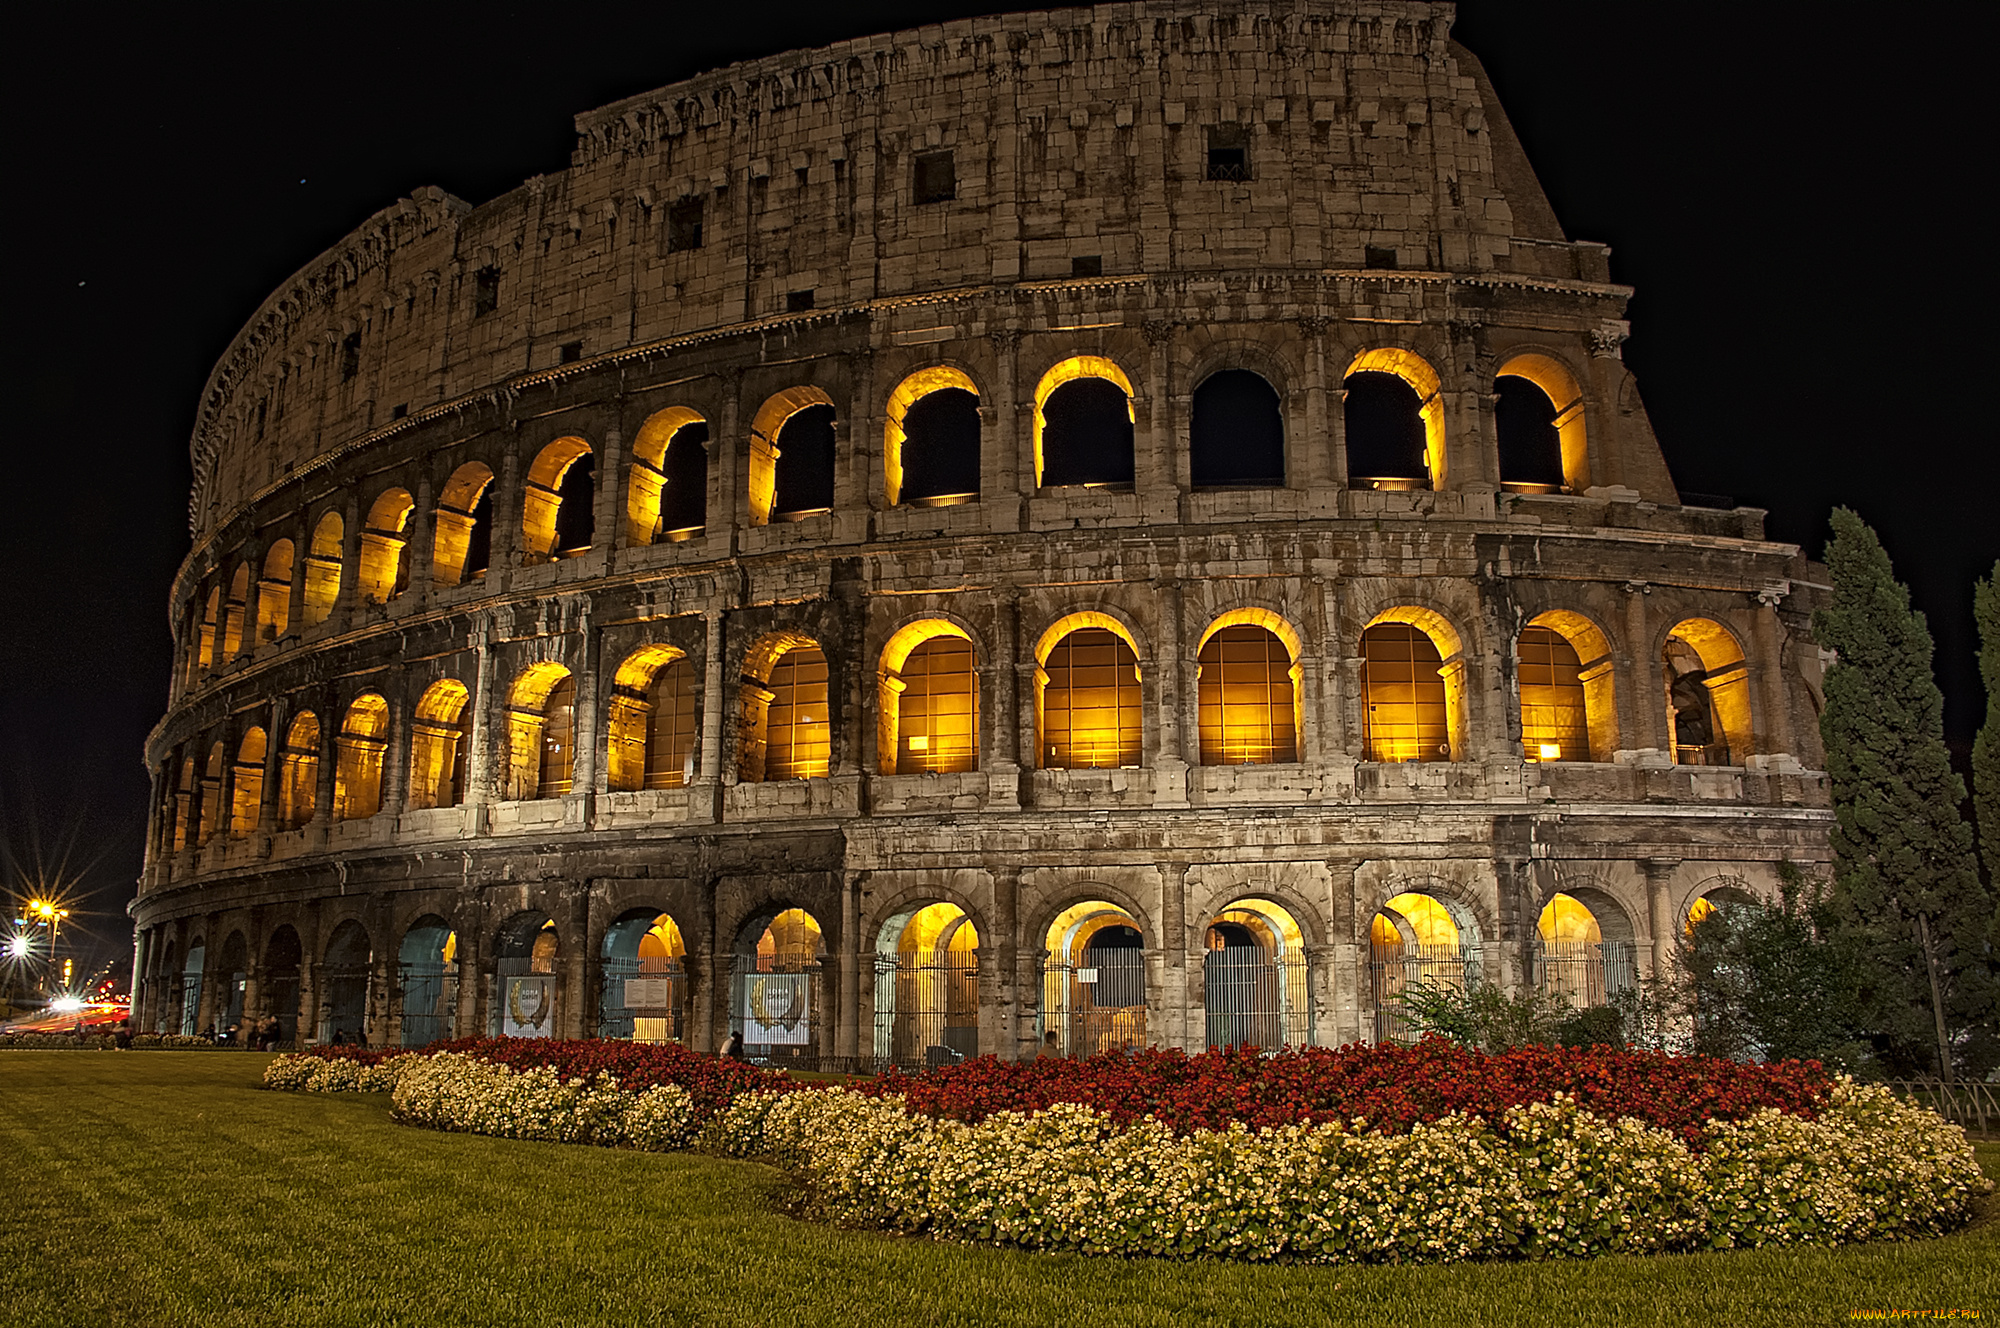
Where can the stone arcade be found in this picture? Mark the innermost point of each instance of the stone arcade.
(1128, 522)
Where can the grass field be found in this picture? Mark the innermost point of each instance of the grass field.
(167, 1189)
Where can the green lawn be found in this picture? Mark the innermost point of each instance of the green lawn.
(167, 1189)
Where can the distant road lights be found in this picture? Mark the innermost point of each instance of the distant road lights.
(18, 947)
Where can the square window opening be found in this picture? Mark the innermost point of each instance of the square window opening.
(1091, 266)
(571, 352)
(1229, 153)
(1378, 256)
(486, 292)
(684, 225)
(937, 179)
(798, 301)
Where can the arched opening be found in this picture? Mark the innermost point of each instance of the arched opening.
(777, 998)
(1708, 694)
(211, 625)
(927, 987)
(1412, 688)
(233, 974)
(930, 445)
(557, 503)
(298, 772)
(280, 987)
(232, 618)
(1255, 986)
(1094, 980)
(1583, 948)
(323, 559)
(786, 718)
(1083, 425)
(437, 746)
(427, 980)
(928, 716)
(1418, 939)
(188, 1007)
(246, 785)
(1565, 673)
(167, 986)
(526, 985)
(668, 494)
(1714, 898)
(343, 1002)
(1247, 690)
(1236, 434)
(654, 719)
(1088, 712)
(1394, 419)
(645, 979)
(360, 749)
(274, 593)
(809, 471)
(541, 731)
(385, 572)
(463, 545)
(212, 810)
(1539, 420)
(177, 777)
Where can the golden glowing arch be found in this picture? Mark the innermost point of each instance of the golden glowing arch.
(527, 707)
(629, 721)
(1451, 671)
(1415, 370)
(541, 499)
(911, 390)
(437, 745)
(456, 503)
(1594, 676)
(765, 426)
(1560, 386)
(1255, 617)
(383, 537)
(1068, 371)
(1727, 680)
(649, 466)
(1082, 618)
(890, 687)
(323, 567)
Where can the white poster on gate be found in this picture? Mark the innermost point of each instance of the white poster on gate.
(777, 1009)
(530, 1007)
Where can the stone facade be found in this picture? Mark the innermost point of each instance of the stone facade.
(1306, 191)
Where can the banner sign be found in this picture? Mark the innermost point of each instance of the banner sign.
(777, 1009)
(530, 1007)
(649, 993)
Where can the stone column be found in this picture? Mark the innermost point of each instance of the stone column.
(578, 1010)
(421, 548)
(329, 757)
(1000, 472)
(1777, 726)
(1309, 460)
(1178, 985)
(586, 777)
(1008, 1043)
(279, 720)
(1660, 910)
(1171, 782)
(706, 804)
(606, 512)
(1642, 693)
(848, 1039)
(482, 708)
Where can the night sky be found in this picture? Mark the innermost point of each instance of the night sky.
(1792, 194)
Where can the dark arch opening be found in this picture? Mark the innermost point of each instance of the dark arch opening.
(282, 959)
(576, 518)
(479, 540)
(941, 449)
(343, 1009)
(1122, 980)
(1524, 420)
(684, 497)
(1087, 435)
(805, 464)
(1237, 433)
(1385, 429)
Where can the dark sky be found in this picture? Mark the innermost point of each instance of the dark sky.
(1793, 195)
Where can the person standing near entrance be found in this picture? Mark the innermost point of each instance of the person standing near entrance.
(733, 1049)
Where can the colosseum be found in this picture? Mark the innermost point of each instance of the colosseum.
(1127, 523)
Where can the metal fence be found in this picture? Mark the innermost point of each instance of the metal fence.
(1098, 1006)
(343, 1002)
(1584, 973)
(1976, 1106)
(1392, 968)
(926, 1008)
(428, 995)
(644, 1000)
(1253, 996)
(781, 1011)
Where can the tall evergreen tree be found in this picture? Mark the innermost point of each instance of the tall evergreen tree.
(1986, 747)
(1907, 894)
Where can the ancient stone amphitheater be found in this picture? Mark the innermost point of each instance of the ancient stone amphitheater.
(1125, 523)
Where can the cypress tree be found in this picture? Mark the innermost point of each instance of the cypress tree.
(1907, 895)
(1986, 747)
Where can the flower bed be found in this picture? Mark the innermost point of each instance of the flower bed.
(1417, 1154)
(104, 1042)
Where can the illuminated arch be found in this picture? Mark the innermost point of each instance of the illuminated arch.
(384, 571)
(1069, 371)
(654, 507)
(360, 750)
(556, 502)
(784, 688)
(1417, 373)
(650, 736)
(778, 995)
(541, 731)
(201, 643)
(1559, 385)
(463, 543)
(528, 993)
(1094, 995)
(1089, 706)
(1564, 668)
(323, 559)
(1418, 937)
(644, 961)
(1413, 706)
(927, 986)
(1248, 698)
(427, 981)
(298, 772)
(234, 612)
(921, 384)
(927, 712)
(765, 426)
(1707, 692)
(438, 746)
(246, 785)
(274, 592)
(1716, 893)
(1255, 986)
(212, 810)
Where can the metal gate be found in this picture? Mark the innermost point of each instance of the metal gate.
(1584, 973)
(1252, 996)
(644, 1000)
(343, 1003)
(1098, 1006)
(1395, 967)
(780, 1011)
(927, 1007)
(429, 990)
(281, 998)
(190, 1004)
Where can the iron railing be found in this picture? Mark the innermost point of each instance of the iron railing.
(1975, 1106)
(926, 1008)
(1395, 967)
(1584, 973)
(1253, 997)
(1098, 1005)
(428, 994)
(645, 1000)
